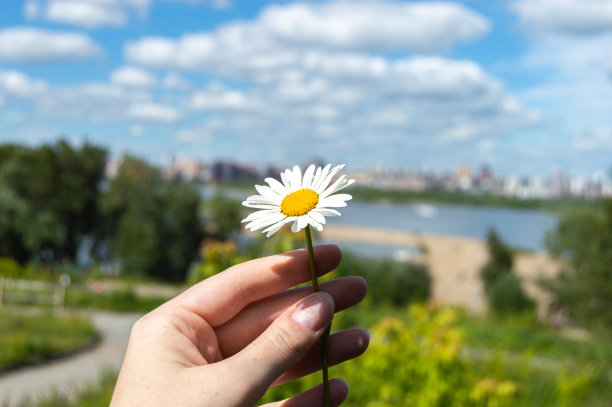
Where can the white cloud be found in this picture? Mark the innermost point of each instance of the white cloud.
(175, 81)
(24, 44)
(374, 25)
(17, 84)
(281, 36)
(86, 13)
(133, 77)
(565, 16)
(219, 4)
(153, 112)
(220, 99)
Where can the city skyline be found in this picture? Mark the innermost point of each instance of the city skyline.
(521, 85)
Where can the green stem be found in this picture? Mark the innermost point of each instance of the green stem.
(325, 337)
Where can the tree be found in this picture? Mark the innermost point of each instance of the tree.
(50, 196)
(153, 224)
(502, 287)
(583, 286)
(225, 216)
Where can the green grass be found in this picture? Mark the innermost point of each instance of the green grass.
(31, 338)
(117, 301)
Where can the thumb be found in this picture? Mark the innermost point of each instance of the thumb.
(283, 344)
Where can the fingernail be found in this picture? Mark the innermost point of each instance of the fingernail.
(315, 311)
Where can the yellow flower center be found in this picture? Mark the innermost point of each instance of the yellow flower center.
(300, 202)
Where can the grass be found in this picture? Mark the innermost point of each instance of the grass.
(28, 339)
(117, 301)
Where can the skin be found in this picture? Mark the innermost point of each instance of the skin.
(226, 340)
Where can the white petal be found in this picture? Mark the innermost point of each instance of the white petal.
(324, 183)
(317, 217)
(307, 181)
(296, 178)
(267, 221)
(314, 223)
(322, 176)
(259, 214)
(316, 178)
(294, 227)
(258, 199)
(285, 177)
(273, 229)
(325, 212)
(277, 187)
(334, 201)
(260, 206)
(340, 184)
(268, 193)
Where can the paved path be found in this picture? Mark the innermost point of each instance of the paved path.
(72, 373)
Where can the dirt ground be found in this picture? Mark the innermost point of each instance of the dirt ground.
(454, 263)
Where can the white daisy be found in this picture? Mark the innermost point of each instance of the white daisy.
(303, 200)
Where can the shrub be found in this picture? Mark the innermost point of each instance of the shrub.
(389, 281)
(506, 295)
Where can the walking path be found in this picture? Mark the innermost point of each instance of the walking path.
(66, 376)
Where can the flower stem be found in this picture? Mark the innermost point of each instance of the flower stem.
(325, 337)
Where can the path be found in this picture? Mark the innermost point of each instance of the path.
(72, 373)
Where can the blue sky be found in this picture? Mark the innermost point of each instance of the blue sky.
(524, 86)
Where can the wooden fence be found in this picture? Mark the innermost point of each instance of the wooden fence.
(33, 292)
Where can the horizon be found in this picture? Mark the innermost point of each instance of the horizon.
(522, 86)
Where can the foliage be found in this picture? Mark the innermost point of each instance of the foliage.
(414, 363)
(502, 287)
(224, 217)
(583, 286)
(155, 222)
(216, 257)
(48, 199)
(29, 338)
(506, 295)
(118, 301)
(389, 281)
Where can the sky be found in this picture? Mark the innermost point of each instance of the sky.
(523, 86)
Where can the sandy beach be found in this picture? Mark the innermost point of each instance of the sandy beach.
(454, 263)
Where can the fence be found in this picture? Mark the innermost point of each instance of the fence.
(15, 291)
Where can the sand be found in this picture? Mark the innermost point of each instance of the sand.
(454, 263)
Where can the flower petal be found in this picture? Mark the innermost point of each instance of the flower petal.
(277, 187)
(325, 211)
(296, 179)
(340, 184)
(324, 183)
(317, 217)
(269, 193)
(335, 201)
(307, 180)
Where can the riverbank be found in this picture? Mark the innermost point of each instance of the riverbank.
(454, 263)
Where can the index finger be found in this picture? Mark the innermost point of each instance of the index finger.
(220, 297)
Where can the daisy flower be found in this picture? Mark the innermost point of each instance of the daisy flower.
(304, 200)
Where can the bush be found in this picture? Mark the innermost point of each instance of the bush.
(389, 281)
(506, 295)
(414, 363)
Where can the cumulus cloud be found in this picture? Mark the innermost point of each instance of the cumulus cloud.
(153, 112)
(565, 16)
(86, 13)
(133, 77)
(374, 25)
(17, 84)
(175, 81)
(279, 37)
(25, 44)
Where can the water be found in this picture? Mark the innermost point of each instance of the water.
(522, 228)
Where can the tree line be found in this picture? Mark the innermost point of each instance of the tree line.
(56, 204)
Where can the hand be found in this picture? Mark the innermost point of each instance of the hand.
(226, 340)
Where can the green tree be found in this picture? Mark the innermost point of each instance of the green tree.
(583, 286)
(224, 216)
(152, 224)
(50, 193)
(502, 287)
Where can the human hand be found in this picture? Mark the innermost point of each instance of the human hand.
(226, 340)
